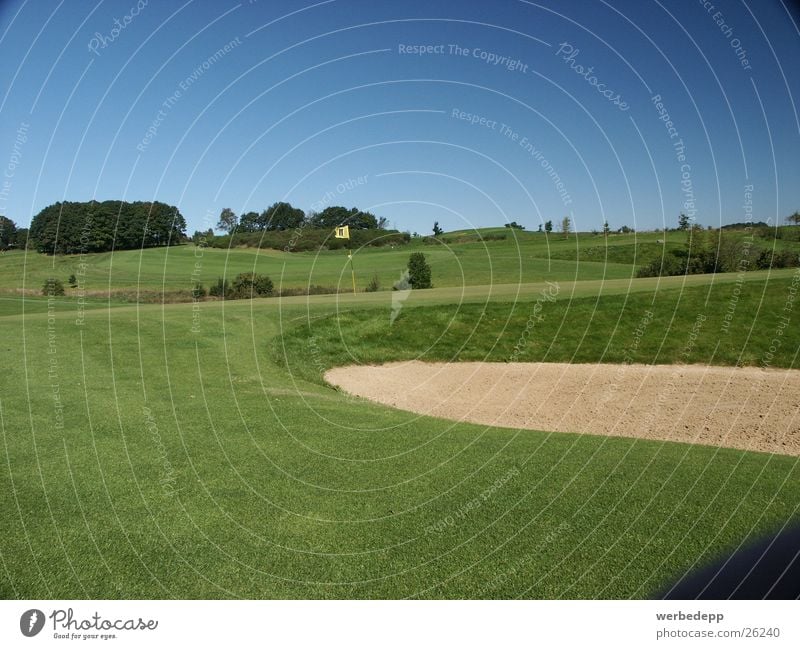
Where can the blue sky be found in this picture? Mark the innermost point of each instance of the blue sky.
(325, 103)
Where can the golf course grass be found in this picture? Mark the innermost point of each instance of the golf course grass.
(193, 451)
(455, 260)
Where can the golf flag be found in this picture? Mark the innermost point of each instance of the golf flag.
(342, 232)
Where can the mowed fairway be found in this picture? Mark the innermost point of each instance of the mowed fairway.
(166, 451)
(456, 261)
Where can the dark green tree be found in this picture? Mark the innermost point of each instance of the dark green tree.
(335, 215)
(70, 228)
(8, 233)
(548, 226)
(249, 222)
(436, 229)
(794, 218)
(281, 216)
(419, 272)
(683, 222)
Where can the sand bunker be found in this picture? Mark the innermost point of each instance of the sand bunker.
(744, 408)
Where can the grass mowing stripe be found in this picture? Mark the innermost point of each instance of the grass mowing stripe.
(364, 501)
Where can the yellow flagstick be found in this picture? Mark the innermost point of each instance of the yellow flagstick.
(343, 232)
(352, 271)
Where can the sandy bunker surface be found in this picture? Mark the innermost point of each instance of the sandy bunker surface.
(745, 408)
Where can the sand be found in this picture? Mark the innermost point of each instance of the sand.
(744, 408)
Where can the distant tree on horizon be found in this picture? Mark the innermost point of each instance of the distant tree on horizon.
(92, 226)
(548, 226)
(227, 220)
(436, 229)
(794, 218)
(566, 224)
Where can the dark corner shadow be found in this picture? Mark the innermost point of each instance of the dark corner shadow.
(768, 568)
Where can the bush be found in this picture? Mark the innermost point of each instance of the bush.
(670, 264)
(419, 272)
(221, 289)
(249, 285)
(374, 285)
(72, 280)
(52, 287)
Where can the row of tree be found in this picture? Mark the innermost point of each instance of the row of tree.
(282, 216)
(92, 226)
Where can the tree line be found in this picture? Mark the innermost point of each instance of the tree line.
(93, 226)
(283, 216)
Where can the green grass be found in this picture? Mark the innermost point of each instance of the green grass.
(202, 456)
(521, 257)
(683, 325)
(214, 463)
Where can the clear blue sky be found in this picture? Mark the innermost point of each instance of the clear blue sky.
(311, 96)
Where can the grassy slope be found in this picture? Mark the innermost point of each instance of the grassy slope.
(285, 488)
(651, 324)
(523, 257)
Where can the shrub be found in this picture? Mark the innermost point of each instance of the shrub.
(670, 264)
(221, 289)
(72, 280)
(419, 272)
(249, 285)
(374, 285)
(53, 286)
